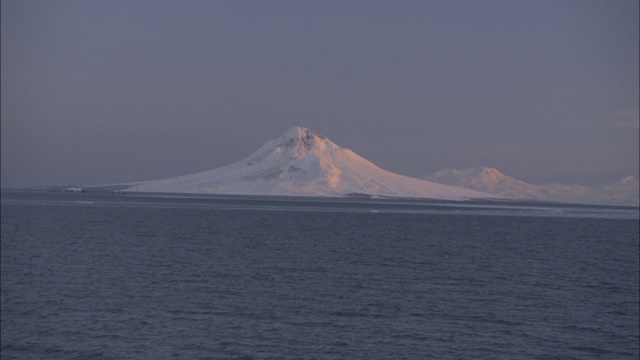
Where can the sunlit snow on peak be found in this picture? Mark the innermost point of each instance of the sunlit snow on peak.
(296, 143)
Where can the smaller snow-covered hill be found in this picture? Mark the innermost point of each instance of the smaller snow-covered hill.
(624, 192)
(303, 163)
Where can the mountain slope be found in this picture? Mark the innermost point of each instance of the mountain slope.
(624, 192)
(303, 163)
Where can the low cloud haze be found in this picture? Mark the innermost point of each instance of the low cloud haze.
(98, 92)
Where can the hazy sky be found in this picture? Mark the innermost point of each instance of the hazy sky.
(113, 91)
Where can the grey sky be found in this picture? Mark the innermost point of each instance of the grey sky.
(113, 91)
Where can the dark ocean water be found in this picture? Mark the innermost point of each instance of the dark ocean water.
(112, 276)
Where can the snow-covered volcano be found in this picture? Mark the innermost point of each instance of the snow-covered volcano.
(623, 192)
(303, 163)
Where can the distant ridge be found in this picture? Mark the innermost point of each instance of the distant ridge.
(304, 163)
(624, 192)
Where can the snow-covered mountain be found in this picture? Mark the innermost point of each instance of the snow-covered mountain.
(303, 163)
(623, 192)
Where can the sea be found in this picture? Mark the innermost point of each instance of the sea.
(102, 275)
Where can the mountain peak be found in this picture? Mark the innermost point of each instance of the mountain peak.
(297, 131)
(489, 170)
(303, 137)
(298, 142)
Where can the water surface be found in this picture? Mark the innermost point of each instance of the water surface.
(114, 276)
